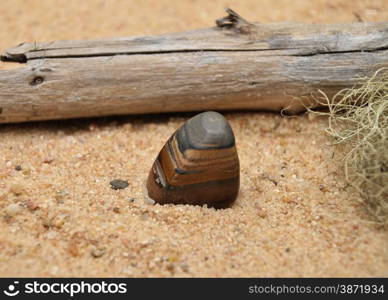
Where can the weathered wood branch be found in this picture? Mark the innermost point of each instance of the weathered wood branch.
(235, 65)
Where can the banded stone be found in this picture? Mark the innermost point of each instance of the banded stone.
(198, 165)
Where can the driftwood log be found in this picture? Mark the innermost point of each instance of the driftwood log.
(236, 65)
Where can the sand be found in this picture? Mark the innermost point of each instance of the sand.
(295, 215)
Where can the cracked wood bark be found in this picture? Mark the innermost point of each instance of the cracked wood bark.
(236, 65)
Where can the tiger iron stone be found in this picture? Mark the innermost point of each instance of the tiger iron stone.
(198, 165)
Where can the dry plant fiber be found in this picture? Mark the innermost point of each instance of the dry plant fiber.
(358, 120)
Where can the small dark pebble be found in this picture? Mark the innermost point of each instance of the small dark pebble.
(322, 188)
(119, 184)
(18, 168)
(288, 250)
(48, 160)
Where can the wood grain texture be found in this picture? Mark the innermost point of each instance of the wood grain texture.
(236, 65)
(198, 165)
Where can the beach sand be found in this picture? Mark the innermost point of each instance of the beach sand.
(295, 214)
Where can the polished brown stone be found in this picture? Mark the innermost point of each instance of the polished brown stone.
(198, 165)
